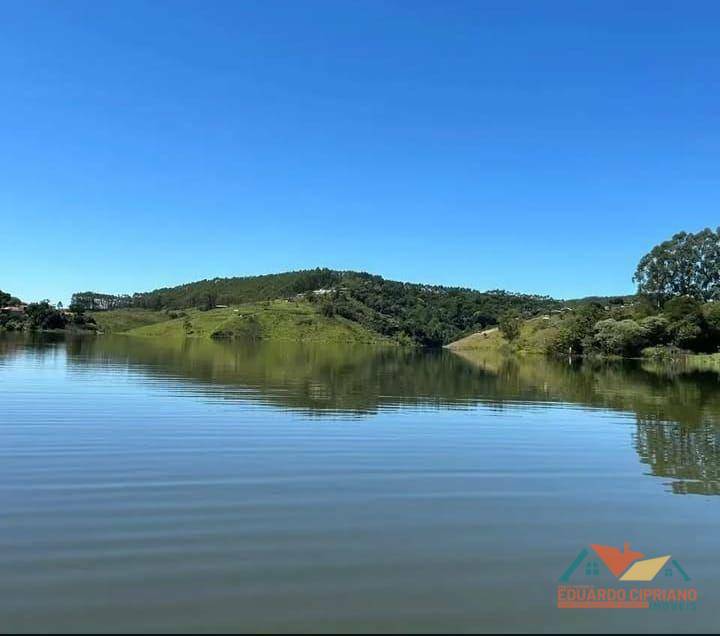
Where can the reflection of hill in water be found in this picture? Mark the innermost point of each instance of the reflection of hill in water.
(677, 414)
(312, 378)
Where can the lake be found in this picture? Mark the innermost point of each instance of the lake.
(148, 485)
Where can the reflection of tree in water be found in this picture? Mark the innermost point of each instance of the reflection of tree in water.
(677, 412)
(689, 456)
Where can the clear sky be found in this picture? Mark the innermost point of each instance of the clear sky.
(532, 146)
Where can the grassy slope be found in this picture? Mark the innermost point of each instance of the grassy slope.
(490, 340)
(534, 335)
(271, 320)
(121, 320)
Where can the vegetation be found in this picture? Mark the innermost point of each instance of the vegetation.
(208, 293)
(686, 265)
(675, 309)
(8, 300)
(509, 324)
(93, 301)
(272, 320)
(618, 337)
(681, 325)
(427, 315)
(674, 313)
(703, 363)
(43, 316)
(122, 320)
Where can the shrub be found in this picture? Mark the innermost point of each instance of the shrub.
(619, 337)
(681, 307)
(686, 334)
(711, 314)
(656, 329)
(663, 354)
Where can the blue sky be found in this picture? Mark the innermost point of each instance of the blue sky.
(532, 146)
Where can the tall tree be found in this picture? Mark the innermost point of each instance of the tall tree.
(687, 264)
(509, 324)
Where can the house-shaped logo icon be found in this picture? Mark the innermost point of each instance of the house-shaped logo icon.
(625, 565)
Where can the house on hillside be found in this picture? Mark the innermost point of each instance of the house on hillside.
(14, 309)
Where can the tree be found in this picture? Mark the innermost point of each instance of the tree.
(656, 329)
(509, 325)
(327, 309)
(687, 323)
(208, 302)
(682, 307)
(94, 301)
(687, 264)
(43, 316)
(711, 313)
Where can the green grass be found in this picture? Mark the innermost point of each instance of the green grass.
(704, 362)
(689, 361)
(535, 334)
(122, 320)
(269, 320)
(489, 341)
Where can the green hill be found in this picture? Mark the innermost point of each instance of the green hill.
(428, 315)
(122, 320)
(298, 321)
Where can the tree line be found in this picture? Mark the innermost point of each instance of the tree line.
(208, 293)
(43, 316)
(677, 306)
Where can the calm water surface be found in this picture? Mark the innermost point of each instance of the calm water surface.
(201, 486)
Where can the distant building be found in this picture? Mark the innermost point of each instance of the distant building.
(15, 309)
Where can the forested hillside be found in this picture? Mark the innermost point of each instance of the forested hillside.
(429, 315)
(208, 293)
(8, 299)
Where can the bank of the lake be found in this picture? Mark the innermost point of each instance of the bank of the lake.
(602, 339)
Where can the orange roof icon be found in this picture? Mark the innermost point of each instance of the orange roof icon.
(617, 561)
